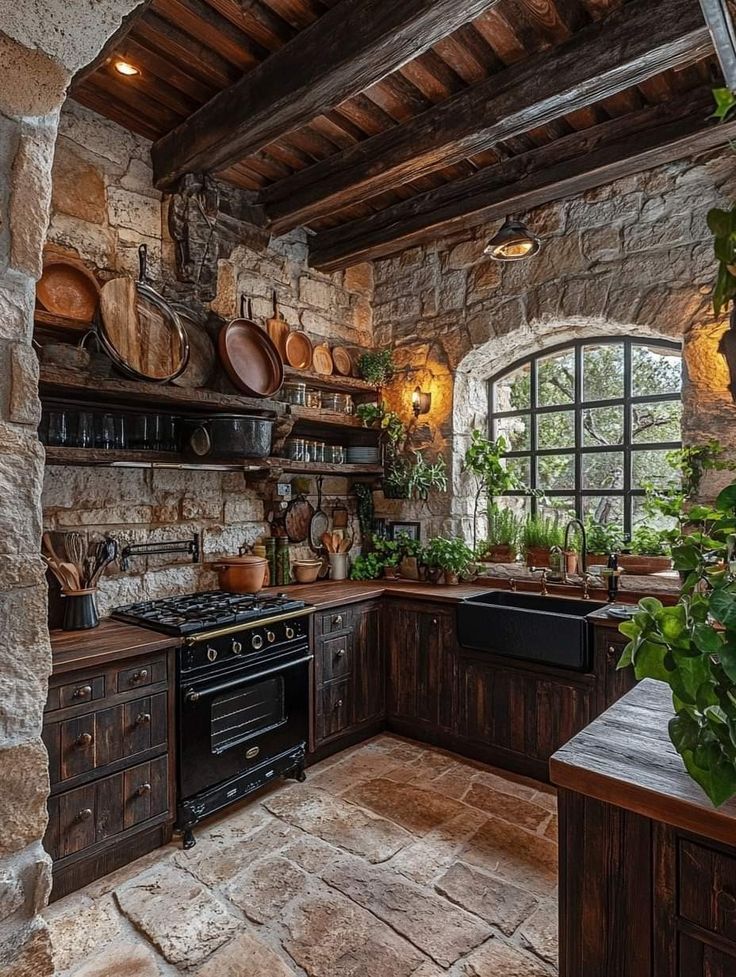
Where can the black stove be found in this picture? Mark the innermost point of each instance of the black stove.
(242, 693)
(193, 613)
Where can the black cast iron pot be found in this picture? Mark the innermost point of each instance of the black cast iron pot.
(228, 436)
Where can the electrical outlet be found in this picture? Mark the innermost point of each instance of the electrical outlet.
(283, 490)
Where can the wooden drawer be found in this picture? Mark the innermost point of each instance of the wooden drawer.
(80, 745)
(86, 816)
(333, 714)
(145, 672)
(707, 890)
(88, 689)
(339, 619)
(336, 658)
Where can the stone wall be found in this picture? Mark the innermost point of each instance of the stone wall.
(103, 207)
(42, 44)
(634, 257)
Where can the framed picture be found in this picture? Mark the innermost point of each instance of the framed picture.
(411, 529)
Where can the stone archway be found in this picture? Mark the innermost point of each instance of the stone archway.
(42, 44)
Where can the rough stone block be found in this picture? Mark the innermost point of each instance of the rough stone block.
(135, 211)
(23, 798)
(78, 187)
(501, 960)
(247, 955)
(16, 307)
(359, 278)
(263, 890)
(21, 472)
(80, 927)
(33, 84)
(121, 959)
(414, 808)
(30, 197)
(24, 407)
(27, 953)
(499, 903)
(27, 659)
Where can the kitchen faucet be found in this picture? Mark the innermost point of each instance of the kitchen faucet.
(583, 558)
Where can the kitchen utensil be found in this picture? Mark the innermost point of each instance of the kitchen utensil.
(75, 550)
(202, 356)
(338, 566)
(340, 517)
(341, 359)
(322, 359)
(68, 581)
(228, 436)
(345, 545)
(242, 574)
(298, 518)
(320, 521)
(306, 571)
(250, 358)
(68, 288)
(278, 330)
(80, 610)
(104, 552)
(139, 330)
(298, 349)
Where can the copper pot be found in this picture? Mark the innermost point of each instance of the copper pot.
(242, 574)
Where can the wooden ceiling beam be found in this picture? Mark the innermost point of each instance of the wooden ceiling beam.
(641, 40)
(351, 47)
(581, 161)
(718, 16)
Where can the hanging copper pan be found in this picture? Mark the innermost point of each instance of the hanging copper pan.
(139, 330)
(250, 357)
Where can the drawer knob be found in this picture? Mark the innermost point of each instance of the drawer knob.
(341, 653)
(611, 652)
(84, 740)
(83, 692)
(143, 718)
(338, 704)
(337, 621)
(140, 676)
(85, 815)
(143, 789)
(434, 620)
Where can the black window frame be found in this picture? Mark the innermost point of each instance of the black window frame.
(579, 405)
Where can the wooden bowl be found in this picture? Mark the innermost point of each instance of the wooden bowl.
(298, 350)
(306, 571)
(342, 360)
(68, 288)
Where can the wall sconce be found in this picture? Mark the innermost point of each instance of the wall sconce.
(513, 242)
(420, 402)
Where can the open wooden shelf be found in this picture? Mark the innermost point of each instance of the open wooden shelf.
(335, 383)
(97, 457)
(60, 323)
(308, 416)
(139, 393)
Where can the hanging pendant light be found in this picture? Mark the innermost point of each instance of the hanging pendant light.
(513, 242)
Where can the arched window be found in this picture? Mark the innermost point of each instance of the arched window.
(590, 424)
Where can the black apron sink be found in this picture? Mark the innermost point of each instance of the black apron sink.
(529, 627)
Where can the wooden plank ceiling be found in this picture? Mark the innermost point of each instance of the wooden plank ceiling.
(518, 87)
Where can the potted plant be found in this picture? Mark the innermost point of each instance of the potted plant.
(504, 528)
(483, 460)
(389, 553)
(602, 539)
(414, 478)
(648, 552)
(410, 556)
(377, 366)
(538, 535)
(367, 566)
(692, 646)
(449, 557)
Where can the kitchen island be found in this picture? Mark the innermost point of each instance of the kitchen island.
(647, 864)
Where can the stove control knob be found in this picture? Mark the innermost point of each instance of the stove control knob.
(270, 637)
(257, 641)
(289, 632)
(211, 653)
(237, 647)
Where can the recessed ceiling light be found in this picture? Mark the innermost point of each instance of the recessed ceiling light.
(512, 242)
(126, 68)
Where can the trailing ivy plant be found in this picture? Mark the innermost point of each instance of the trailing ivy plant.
(722, 223)
(484, 461)
(377, 366)
(692, 646)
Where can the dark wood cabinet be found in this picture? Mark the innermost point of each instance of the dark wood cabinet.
(611, 682)
(350, 672)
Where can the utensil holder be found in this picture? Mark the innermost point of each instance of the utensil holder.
(80, 610)
(338, 566)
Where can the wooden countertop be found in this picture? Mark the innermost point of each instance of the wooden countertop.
(329, 593)
(111, 641)
(625, 758)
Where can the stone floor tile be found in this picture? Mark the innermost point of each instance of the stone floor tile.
(402, 751)
(340, 823)
(179, 916)
(505, 783)
(539, 933)
(455, 781)
(310, 853)
(221, 855)
(443, 931)
(500, 903)
(264, 888)
(514, 855)
(498, 959)
(246, 955)
(121, 959)
(78, 925)
(432, 854)
(552, 829)
(330, 936)
(360, 767)
(547, 798)
(508, 807)
(417, 809)
(430, 970)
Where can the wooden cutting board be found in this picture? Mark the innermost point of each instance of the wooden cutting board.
(278, 329)
(298, 348)
(342, 360)
(322, 359)
(202, 356)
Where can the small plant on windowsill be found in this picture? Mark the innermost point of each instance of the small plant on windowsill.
(648, 552)
(484, 461)
(538, 535)
(414, 478)
(447, 557)
(504, 529)
(602, 540)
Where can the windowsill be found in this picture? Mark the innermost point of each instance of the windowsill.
(667, 582)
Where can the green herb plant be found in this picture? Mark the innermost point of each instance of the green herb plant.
(451, 555)
(367, 566)
(604, 538)
(541, 533)
(377, 366)
(504, 529)
(649, 542)
(484, 461)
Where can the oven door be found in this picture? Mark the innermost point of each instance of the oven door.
(232, 722)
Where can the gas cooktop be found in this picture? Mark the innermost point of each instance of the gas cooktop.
(192, 613)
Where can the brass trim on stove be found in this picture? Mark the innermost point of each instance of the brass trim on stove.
(194, 639)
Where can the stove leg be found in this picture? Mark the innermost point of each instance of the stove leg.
(187, 839)
(298, 773)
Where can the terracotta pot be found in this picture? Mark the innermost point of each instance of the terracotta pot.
(433, 574)
(537, 557)
(571, 561)
(644, 565)
(452, 579)
(390, 573)
(242, 574)
(306, 571)
(500, 554)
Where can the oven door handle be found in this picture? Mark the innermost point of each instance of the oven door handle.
(192, 695)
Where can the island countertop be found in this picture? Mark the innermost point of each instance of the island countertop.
(625, 758)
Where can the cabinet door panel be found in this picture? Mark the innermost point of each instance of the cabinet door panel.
(698, 959)
(368, 686)
(333, 713)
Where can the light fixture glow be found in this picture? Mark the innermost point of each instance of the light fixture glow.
(420, 402)
(513, 242)
(126, 68)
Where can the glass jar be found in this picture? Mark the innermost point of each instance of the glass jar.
(337, 403)
(316, 451)
(314, 399)
(296, 449)
(334, 454)
(294, 393)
